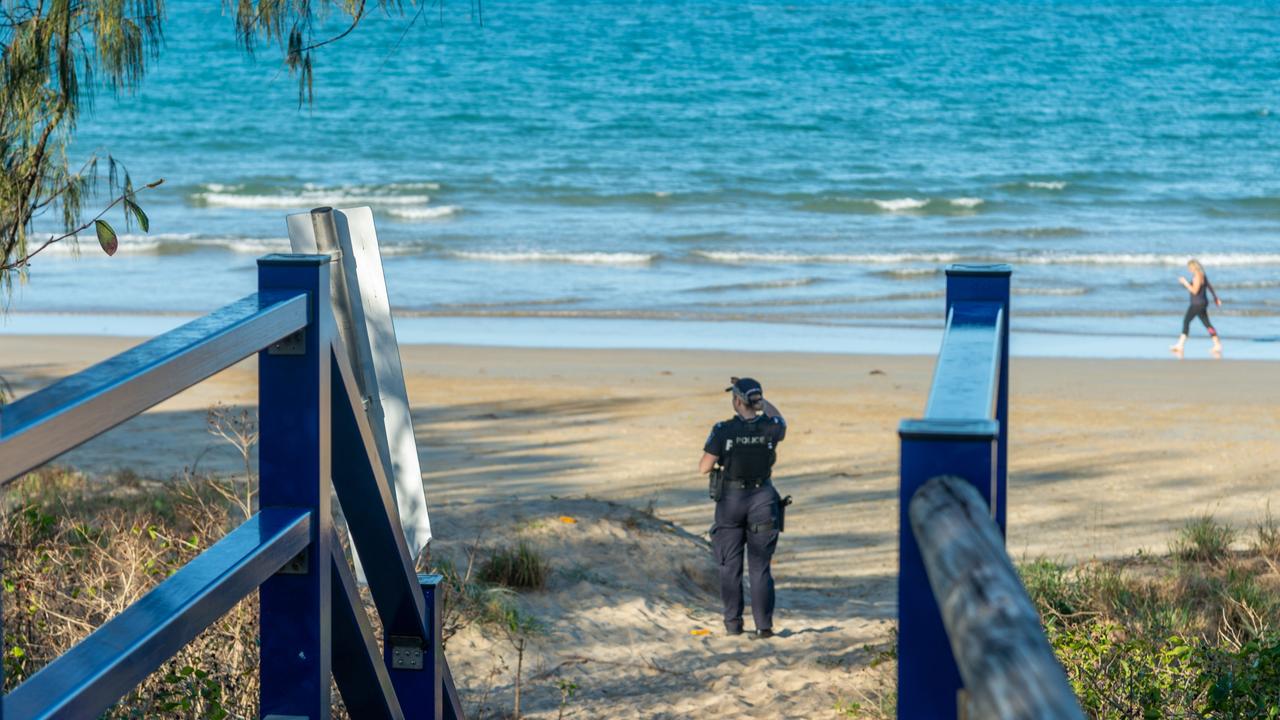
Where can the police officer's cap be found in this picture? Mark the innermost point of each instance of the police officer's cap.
(746, 388)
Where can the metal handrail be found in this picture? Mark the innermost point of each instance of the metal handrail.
(966, 379)
(960, 602)
(313, 621)
(122, 652)
(47, 423)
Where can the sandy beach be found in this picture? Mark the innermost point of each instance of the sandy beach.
(1107, 457)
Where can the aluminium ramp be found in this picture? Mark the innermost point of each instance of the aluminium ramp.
(363, 315)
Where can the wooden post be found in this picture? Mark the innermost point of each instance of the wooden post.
(294, 470)
(1009, 669)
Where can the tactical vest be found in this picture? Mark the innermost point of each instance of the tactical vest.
(748, 453)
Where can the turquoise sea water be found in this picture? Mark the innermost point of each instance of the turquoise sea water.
(813, 163)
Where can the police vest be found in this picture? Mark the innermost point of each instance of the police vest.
(748, 451)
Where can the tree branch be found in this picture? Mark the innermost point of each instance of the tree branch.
(20, 262)
(354, 22)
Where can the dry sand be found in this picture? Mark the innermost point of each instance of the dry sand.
(1107, 457)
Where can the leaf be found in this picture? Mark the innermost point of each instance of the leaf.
(106, 237)
(141, 217)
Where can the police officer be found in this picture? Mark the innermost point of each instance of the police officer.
(739, 456)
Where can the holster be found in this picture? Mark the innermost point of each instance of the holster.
(716, 481)
(782, 512)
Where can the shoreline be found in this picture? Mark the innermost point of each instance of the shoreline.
(678, 335)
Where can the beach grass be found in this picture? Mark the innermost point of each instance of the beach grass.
(1195, 633)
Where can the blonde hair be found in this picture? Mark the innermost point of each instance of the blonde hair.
(1196, 267)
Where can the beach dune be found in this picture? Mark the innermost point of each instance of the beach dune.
(1106, 457)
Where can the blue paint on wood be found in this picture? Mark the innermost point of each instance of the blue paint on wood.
(990, 283)
(51, 421)
(90, 677)
(294, 471)
(964, 434)
(307, 404)
(358, 669)
(372, 519)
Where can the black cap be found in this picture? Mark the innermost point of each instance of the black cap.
(746, 388)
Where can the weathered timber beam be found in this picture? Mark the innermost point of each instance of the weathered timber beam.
(1009, 670)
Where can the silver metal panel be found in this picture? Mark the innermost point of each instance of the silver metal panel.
(372, 518)
(358, 667)
(966, 378)
(45, 424)
(370, 340)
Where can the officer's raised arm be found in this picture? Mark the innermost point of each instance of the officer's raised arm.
(770, 410)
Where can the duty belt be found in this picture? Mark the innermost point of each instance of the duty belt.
(745, 484)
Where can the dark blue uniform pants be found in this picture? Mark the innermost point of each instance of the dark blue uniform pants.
(736, 514)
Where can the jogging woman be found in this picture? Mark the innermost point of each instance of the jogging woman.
(1200, 289)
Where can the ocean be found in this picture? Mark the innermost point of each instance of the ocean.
(715, 173)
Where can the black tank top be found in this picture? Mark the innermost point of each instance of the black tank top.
(1202, 297)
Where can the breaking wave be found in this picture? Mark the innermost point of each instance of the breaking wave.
(573, 258)
(438, 212)
(251, 196)
(1045, 258)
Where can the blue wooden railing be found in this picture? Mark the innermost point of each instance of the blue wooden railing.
(966, 626)
(313, 432)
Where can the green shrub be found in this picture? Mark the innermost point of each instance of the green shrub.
(1244, 683)
(1267, 536)
(1193, 635)
(77, 552)
(1203, 539)
(521, 568)
(1047, 584)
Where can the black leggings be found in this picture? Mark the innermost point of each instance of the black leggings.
(1201, 311)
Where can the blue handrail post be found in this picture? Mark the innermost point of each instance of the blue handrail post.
(990, 283)
(415, 662)
(294, 469)
(928, 679)
(434, 657)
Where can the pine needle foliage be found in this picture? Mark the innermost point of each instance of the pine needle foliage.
(53, 55)
(291, 25)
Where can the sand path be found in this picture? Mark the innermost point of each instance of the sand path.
(1107, 457)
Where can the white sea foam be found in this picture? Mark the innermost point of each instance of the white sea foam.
(761, 285)
(967, 202)
(1116, 259)
(253, 246)
(1051, 291)
(424, 213)
(579, 258)
(1047, 184)
(900, 204)
(909, 272)
(413, 186)
(169, 244)
(736, 257)
(305, 199)
(130, 244)
(1209, 260)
